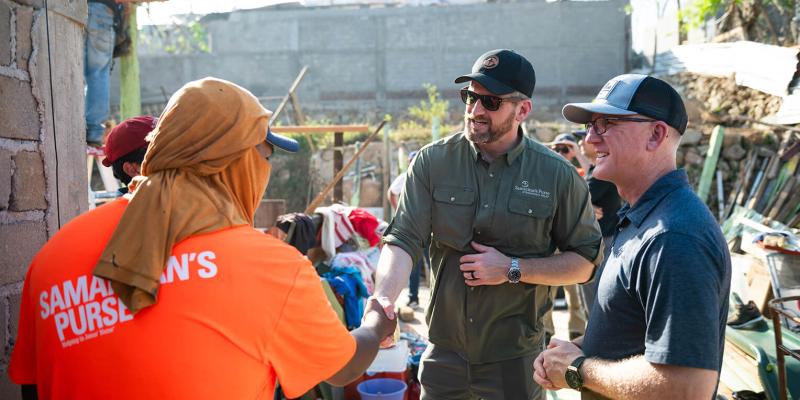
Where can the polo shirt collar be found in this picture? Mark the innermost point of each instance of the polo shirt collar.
(652, 197)
(510, 156)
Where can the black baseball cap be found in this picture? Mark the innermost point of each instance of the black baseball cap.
(631, 94)
(501, 72)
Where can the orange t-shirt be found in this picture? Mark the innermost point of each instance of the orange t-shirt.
(236, 310)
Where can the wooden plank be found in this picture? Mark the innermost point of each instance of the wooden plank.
(292, 88)
(762, 184)
(720, 197)
(745, 179)
(130, 102)
(710, 165)
(338, 142)
(299, 118)
(267, 212)
(739, 370)
(387, 162)
(319, 128)
(321, 196)
(791, 205)
(764, 198)
(786, 171)
(781, 198)
(741, 184)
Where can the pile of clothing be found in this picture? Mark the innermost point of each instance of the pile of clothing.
(348, 236)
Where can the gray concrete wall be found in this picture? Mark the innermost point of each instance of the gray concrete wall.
(42, 156)
(366, 60)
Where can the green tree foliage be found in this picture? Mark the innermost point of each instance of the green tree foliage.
(766, 21)
(420, 122)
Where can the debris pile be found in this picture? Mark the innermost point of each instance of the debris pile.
(724, 101)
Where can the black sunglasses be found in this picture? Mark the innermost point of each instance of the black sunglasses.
(561, 149)
(600, 125)
(491, 103)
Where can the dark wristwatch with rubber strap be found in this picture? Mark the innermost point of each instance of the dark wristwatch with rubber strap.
(573, 374)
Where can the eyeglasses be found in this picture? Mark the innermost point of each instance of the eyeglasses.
(491, 103)
(600, 125)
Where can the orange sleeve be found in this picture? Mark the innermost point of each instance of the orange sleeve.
(310, 344)
(23, 360)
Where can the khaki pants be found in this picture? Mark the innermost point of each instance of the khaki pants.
(446, 375)
(577, 312)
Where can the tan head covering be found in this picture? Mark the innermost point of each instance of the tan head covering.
(201, 173)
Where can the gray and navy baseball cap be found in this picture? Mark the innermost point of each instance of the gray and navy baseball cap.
(501, 72)
(282, 142)
(631, 94)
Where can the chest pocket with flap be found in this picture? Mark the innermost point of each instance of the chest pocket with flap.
(530, 222)
(453, 215)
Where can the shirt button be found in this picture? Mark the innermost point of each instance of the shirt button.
(452, 199)
(530, 211)
(470, 320)
(478, 232)
(472, 288)
(491, 175)
(486, 205)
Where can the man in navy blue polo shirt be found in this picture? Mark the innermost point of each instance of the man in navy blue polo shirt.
(657, 329)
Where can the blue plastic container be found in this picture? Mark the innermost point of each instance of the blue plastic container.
(382, 389)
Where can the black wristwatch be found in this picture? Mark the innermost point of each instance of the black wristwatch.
(514, 274)
(573, 374)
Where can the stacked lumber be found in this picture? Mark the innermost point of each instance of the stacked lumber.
(769, 183)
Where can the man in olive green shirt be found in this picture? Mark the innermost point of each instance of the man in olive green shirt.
(496, 206)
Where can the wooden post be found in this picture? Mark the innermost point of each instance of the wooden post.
(130, 102)
(286, 98)
(338, 143)
(387, 165)
(324, 193)
(710, 165)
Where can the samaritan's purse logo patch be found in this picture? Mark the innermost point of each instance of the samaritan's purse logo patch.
(491, 62)
(607, 89)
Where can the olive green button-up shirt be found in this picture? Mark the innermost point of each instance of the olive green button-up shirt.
(526, 204)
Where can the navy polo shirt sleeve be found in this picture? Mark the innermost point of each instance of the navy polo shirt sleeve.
(678, 286)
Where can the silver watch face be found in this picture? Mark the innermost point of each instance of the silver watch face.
(514, 275)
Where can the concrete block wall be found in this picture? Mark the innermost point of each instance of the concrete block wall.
(42, 154)
(366, 60)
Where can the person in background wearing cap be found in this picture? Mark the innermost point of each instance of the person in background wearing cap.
(495, 205)
(657, 327)
(566, 145)
(125, 148)
(169, 292)
(606, 202)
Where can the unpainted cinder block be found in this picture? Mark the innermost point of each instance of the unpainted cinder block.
(5, 34)
(14, 302)
(9, 390)
(9, 322)
(19, 243)
(19, 119)
(5, 178)
(28, 183)
(24, 44)
(32, 3)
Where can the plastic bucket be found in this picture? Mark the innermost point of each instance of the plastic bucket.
(382, 389)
